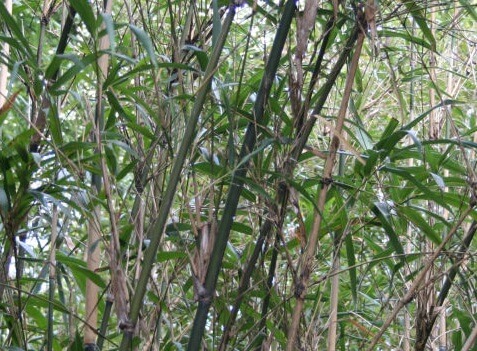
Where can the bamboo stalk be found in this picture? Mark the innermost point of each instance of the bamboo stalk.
(52, 275)
(308, 256)
(302, 134)
(426, 297)
(94, 225)
(335, 285)
(156, 229)
(237, 181)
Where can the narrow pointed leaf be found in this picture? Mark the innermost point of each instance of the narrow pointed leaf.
(83, 8)
(146, 42)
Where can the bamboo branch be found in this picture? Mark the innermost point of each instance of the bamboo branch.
(307, 258)
(94, 225)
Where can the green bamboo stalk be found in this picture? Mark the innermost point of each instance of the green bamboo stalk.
(283, 193)
(237, 181)
(104, 322)
(156, 229)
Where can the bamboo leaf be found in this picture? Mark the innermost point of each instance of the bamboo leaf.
(415, 218)
(470, 8)
(350, 254)
(406, 36)
(417, 13)
(109, 25)
(382, 212)
(55, 124)
(439, 181)
(79, 270)
(83, 8)
(163, 256)
(146, 42)
(200, 54)
(12, 24)
(78, 66)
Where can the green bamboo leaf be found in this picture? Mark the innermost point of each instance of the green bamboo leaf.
(146, 42)
(370, 164)
(109, 25)
(350, 255)
(209, 168)
(470, 8)
(163, 256)
(79, 270)
(14, 348)
(200, 54)
(406, 36)
(4, 203)
(262, 146)
(382, 212)
(413, 123)
(413, 216)
(390, 128)
(14, 44)
(37, 315)
(242, 228)
(15, 29)
(427, 193)
(131, 152)
(78, 66)
(418, 14)
(83, 8)
(77, 344)
(55, 124)
(131, 119)
(111, 160)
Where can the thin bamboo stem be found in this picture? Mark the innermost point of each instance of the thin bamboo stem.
(52, 275)
(334, 294)
(94, 232)
(156, 229)
(308, 257)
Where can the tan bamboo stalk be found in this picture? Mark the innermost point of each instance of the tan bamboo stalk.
(409, 231)
(305, 22)
(308, 256)
(5, 49)
(92, 259)
(335, 285)
(426, 297)
(138, 219)
(93, 254)
(442, 322)
(52, 275)
(470, 342)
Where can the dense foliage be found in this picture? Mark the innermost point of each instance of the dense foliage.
(238, 176)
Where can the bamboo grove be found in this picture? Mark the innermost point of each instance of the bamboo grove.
(238, 175)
